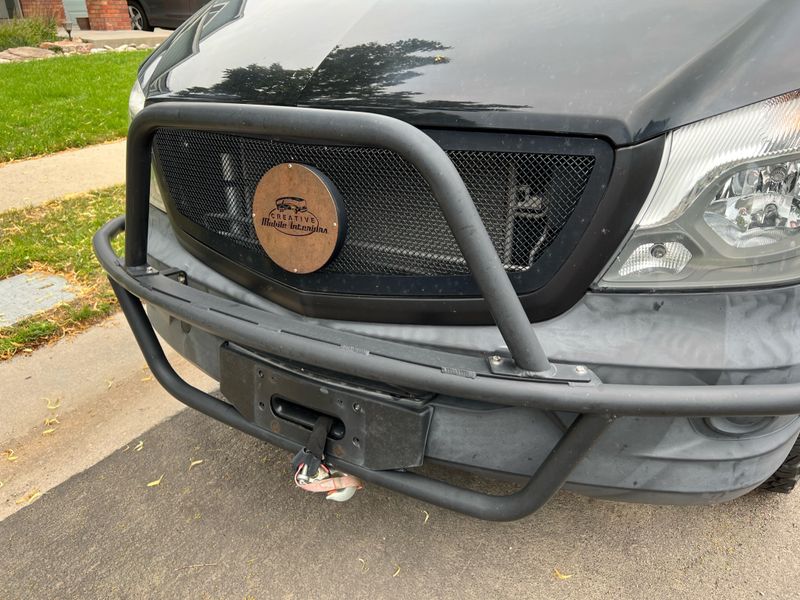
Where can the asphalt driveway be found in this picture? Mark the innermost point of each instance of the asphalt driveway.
(233, 526)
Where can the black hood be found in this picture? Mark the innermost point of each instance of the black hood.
(624, 70)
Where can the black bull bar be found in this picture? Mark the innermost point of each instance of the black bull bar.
(531, 380)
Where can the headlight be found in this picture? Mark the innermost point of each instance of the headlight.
(156, 199)
(135, 105)
(136, 100)
(725, 208)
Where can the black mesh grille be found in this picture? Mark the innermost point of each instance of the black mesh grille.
(395, 226)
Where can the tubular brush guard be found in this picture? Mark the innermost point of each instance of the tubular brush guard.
(531, 381)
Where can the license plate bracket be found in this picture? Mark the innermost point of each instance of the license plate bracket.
(372, 428)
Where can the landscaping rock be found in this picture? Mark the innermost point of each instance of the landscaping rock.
(130, 47)
(27, 53)
(51, 49)
(68, 46)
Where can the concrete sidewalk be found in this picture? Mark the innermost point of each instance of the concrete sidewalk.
(115, 39)
(37, 180)
(70, 404)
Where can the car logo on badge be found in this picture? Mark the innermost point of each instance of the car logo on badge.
(298, 217)
(292, 217)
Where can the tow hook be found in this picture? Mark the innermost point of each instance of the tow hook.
(313, 475)
(338, 486)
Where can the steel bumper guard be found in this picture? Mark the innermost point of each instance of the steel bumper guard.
(524, 378)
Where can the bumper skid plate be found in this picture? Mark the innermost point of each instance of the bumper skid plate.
(373, 429)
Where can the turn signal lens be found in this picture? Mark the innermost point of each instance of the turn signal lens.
(669, 257)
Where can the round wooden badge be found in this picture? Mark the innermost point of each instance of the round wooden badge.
(298, 217)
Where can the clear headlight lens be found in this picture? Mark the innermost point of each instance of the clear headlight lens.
(757, 206)
(136, 100)
(156, 199)
(725, 209)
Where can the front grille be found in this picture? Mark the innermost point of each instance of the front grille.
(395, 226)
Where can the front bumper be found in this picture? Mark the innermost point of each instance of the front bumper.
(586, 407)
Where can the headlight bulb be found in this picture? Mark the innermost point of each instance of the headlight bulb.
(762, 204)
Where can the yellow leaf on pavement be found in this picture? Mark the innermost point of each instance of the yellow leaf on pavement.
(29, 497)
(9, 454)
(195, 463)
(559, 575)
(156, 482)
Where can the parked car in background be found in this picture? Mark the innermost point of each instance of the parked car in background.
(167, 14)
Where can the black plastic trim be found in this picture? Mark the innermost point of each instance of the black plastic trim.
(568, 267)
(338, 283)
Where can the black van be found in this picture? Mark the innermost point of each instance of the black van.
(550, 242)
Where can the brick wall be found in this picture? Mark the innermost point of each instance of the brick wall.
(43, 8)
(108, 14)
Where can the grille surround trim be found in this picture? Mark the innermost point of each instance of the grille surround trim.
(435, 286)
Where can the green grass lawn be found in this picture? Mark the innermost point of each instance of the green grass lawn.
(57, 238)
(64, 102)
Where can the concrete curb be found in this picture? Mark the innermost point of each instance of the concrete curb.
(97, 388)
